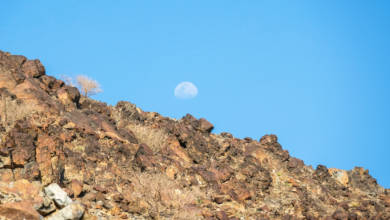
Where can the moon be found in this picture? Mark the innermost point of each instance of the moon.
(186, 90)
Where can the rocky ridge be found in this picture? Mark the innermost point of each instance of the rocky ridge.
(65, 156)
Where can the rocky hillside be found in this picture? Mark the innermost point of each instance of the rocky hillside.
(64, 156)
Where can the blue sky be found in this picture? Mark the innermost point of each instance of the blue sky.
(315, 73)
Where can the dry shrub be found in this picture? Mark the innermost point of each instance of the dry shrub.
(165, 196)
(154, 138)
(87, 85)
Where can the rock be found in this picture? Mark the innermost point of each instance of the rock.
(68, 95)
(76, 187)
(100, 196)
(88, 216)
(171, 172)
(353, 216)
(5, 161)
(47, 159)
(88, 199)
(340, 215)
(176, 151)
(241, 194)
(340, 175)
(294, 163)
(205, 126)
(219, 199)
(118, 198)
(268, 139)
(221, 215)
(100, 189)
(360, 178)
(59, 196)
(386, 199)
(19, 211)
(144, 157)
(321, 172)
(33, 68)
(50, 82)
(73, 211)
(226, 135)
(21, 191)
(6, 175)
(46, 207)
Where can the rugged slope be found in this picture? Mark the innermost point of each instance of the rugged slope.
(121, 162)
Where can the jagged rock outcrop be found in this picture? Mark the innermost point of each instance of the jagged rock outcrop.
(119, 162)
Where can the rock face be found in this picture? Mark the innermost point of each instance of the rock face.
(64, 156)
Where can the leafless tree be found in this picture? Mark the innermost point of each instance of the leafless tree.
(87, 85)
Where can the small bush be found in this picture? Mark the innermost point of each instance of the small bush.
(154, 138)
(87, 85)
(165, 196)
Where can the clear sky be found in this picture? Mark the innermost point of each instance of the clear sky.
(315, 73)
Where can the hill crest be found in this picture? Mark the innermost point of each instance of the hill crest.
(121, 162)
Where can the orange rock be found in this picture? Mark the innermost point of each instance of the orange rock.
(7, 80)
(35, 99)
(171, 171)
(88, 216)
(68, 96)
(293, 182)
(18, 210)
(28, 191)
(223, 173)
(205, 126)
(20, 157)
(66, 137)
(33, 68)
(261, 155)
(115, 211)
(175, 149)
(221, 215)
(386, 199)
(76, 187)
(45, 148)
(5, 161)
(6, 175)
(124, 216)
(207, 213)
(268, 139)
(240, 194)
(70, 125)
(226, 187)
(143, 205)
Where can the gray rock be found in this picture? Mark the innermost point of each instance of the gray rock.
(59, 196)
(46, 207)
(73, 211)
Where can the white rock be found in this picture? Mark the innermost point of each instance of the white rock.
(73, 211)
(59, 196)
